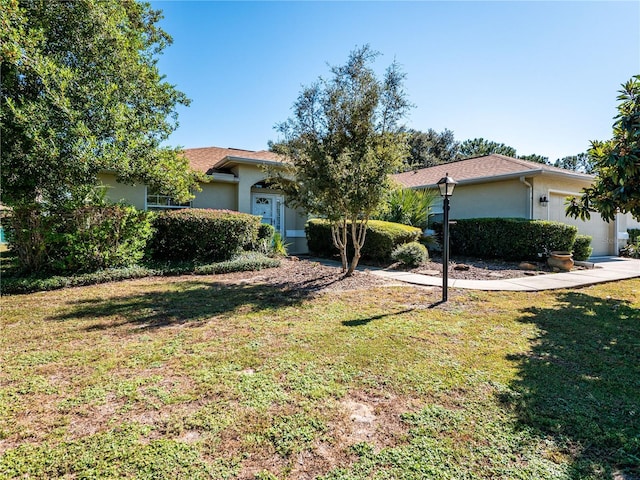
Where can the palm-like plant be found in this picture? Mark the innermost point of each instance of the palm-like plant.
(408, 206)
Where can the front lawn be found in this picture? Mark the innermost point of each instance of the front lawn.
(205, 377)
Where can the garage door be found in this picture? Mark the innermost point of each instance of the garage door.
(602, 233)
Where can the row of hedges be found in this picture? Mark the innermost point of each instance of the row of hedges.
(510, 238)
(88, 238)
(380, 241)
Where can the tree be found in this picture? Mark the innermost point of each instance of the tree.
(81, 94)
(430, 148)
(479, 146)
(579, 163)
(616, 164)
(535, 158)
(343, 141)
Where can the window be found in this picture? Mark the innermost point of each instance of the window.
(156, 201)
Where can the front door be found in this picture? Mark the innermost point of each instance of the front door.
(271, 208)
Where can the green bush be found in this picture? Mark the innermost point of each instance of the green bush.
(202, 234)
(380, 241)
(582, 248)
(411, 254)
(510, 238)
(634, 235)
(78, 237)
(407, 206)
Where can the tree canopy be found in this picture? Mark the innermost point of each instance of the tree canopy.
(477, 147)
(616, 163)
(343, 141)
(431, 148)
(580, 163)
(82, 94)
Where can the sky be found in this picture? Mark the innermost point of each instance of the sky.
(541, 77)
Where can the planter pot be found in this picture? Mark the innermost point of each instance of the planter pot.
(561, 260)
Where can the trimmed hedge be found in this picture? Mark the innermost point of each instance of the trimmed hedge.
(202, 234)
(510, 238)
(582, 248)
(381, 239)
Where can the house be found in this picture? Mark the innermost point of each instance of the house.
(236, 181)
(500, 186)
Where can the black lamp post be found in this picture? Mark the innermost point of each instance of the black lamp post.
(446, 186)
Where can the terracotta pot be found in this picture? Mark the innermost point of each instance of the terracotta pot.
(561, 260)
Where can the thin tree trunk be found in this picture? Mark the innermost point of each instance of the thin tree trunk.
(339, 237)
(358, 235)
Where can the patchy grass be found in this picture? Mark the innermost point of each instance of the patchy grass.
(197, 377)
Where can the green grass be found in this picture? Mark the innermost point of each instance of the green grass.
(200, 378)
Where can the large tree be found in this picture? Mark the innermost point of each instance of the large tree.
(343, 141)
(616, 164)
(430, 148)
(534, 157)
(81, 94)
(477, 147)
(579, 163)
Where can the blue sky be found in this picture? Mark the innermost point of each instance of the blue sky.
(541, 77)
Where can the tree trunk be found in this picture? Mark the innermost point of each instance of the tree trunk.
(339, 237)
(358, 234)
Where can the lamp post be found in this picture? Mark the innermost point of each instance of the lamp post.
(446, 186)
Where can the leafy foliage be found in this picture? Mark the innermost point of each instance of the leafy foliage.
(382, 238)
(479, 146)
(535, 158)
(81, 93)
(202, 234)
(412, 254)
(510, 238)
(407, 206)
(73, 237)
(582, 249)
(430, 148)
(616, 164)
(343, 141)
(579, 163)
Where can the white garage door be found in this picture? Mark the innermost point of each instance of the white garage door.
(602, 233)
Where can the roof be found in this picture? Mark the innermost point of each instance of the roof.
(482, 169)
(209, 159)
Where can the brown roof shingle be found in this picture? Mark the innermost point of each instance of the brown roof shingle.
(207, 159)
(477, 169)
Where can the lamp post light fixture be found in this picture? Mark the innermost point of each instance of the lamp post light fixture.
(446, 186)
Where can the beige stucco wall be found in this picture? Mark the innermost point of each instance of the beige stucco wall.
(494, 199)
(218, 195)
(132, 194)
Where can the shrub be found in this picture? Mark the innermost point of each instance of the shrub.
(264, 239)
(582, 248)
(510, 238)
(202, 234)
(408, 206)
(78, 238)
(381, 238)
(634, 235)
(412, 254)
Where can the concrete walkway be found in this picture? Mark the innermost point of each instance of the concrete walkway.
(606, 269)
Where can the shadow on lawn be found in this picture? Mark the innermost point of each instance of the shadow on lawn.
(186, 302)
(580, 383)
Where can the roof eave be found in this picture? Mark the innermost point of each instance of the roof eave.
(231, 160)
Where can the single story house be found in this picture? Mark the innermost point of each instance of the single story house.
(236, 181)
(500, 186)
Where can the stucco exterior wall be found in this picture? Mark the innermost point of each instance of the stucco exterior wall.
(216, 195)
(132, 194)
(494, 199)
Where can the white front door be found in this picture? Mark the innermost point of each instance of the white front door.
(271, 208)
